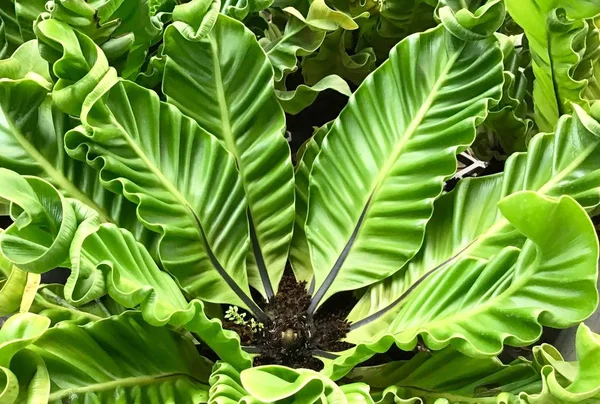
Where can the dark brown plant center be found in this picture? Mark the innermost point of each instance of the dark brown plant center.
(291, 338)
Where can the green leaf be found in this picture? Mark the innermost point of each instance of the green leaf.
(570, 385)
(298, 39)
(204, 237)
(565, 164)
(17, 288)
(196, 19)
(27, 12)
(157, 6)
(508, 128)
(11, 26)
(122, 360)
(294, 101)
(400, 18)
(299, 249)
(152, 77)
(102, 257)
(450, 377)
(32, 129)
(556, 32)
(207, 79)
(50, 301)
(125, 28)
(398, 158)
(225, 384)
(23, 372)
(279, 384)
(471, 20)
(394, 21)
(477, 304)
(240, 9)
(321, 16)
(25, 67)
(18, 17)
(3, 41)
(588, 69)
(333, 58)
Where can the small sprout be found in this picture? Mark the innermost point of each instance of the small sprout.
(232, 314)
(256, 326)
(235, 316)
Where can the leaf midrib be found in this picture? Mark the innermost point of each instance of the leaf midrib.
(125, 382)
(227, 131)
(416, 121)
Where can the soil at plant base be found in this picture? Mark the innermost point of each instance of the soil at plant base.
(291, 336)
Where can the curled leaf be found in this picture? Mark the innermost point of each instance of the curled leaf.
(321, 16)
(471, 25)
(294, 101)
(103, 257)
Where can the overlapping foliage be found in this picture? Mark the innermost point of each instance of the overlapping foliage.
(143, 147)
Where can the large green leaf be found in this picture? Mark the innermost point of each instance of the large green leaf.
(165, 163)
(556, 31)
(207, 78)
(372, 195)
(32, 129)
(565, 163)
(107, 361)
(49, 229)
(185, 183)
(450, 377)
(24, 376)
(479, 302)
